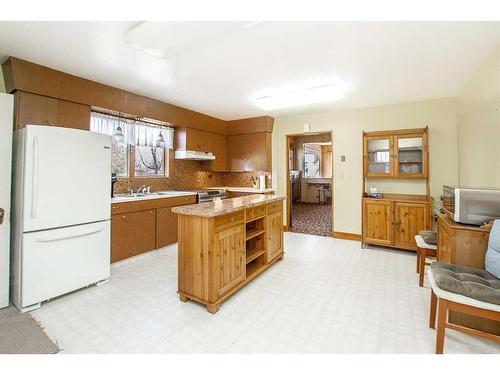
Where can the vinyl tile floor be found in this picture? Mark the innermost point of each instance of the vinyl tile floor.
(326, 296)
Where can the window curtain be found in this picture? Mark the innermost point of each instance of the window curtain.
(136, 133)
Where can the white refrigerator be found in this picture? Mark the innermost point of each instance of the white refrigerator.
(6, 125)
(61, 212)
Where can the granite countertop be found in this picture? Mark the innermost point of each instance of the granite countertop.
(168, 194)
(225, 206)
(244, 189)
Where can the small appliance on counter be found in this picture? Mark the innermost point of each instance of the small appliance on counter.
(114, 178)
(471, 205)
(373, 193)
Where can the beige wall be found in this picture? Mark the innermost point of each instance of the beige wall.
(347, 126)
(479, 126)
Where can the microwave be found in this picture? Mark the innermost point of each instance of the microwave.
(471, 205)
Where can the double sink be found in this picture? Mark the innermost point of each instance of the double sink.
(157, 194)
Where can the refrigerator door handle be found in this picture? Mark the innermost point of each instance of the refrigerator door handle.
(34, 184)
(67, 237)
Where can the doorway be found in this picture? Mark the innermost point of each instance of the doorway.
(310, 183)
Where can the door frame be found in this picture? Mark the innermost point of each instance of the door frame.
(287, 175)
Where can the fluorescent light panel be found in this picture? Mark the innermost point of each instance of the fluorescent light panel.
(313, 95)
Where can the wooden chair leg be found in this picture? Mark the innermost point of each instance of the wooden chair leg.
(442, 313)
(421, 268)
(432, 314)
(418, 259)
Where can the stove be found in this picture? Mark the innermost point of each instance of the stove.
(209, 195)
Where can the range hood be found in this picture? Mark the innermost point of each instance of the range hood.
(194, 155)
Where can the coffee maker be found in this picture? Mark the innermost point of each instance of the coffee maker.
(114, 178)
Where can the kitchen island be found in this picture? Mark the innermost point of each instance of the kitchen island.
(225, 244)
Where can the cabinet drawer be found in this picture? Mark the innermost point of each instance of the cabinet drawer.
(226, 221)
(254, 212)
(274, 207)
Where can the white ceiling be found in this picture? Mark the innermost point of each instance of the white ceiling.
(377, 62)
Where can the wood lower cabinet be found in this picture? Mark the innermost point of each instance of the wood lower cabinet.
(132, 233)
(219, 255)
(377, 222)
(409, 220)
(229, 258)
(395, 222)
(166, 227)
(274, 234)
(144, 225)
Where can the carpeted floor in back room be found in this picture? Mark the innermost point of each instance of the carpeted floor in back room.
(312, 218)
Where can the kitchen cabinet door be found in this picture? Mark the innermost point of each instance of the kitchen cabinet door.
(132, 233)
(229, 258)
(410, 155)
(73, 115)
(219, 149)
(35, 110)
(409, 219)
(274, 234)
(377, 222)
(166, 227)
(249, 152)
(378, 156)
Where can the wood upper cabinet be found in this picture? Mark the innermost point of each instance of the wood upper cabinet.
(378, 156)
(166, 227)
(274, 234)
(42, 110)
(411, 156)
(249, 152)
(132, 233)
(73, 115)
(394, 223)
(409, 219)
(229, 258)
(396, 154)
(377, 222)
(199, 140)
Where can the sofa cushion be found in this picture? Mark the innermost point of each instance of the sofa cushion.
(492, 259)
(467, 281)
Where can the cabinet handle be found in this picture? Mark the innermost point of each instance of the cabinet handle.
(152, 212)
(159, 213)
(124, 217)
(115, 207)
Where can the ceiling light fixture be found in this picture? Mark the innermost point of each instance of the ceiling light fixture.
(313, 95)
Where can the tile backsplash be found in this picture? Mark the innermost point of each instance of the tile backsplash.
(189, 175)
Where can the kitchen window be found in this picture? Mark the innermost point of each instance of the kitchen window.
(139, 147)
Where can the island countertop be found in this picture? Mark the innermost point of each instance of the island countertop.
(225, 206)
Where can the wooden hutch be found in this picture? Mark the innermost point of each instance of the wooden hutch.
(395, 219)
